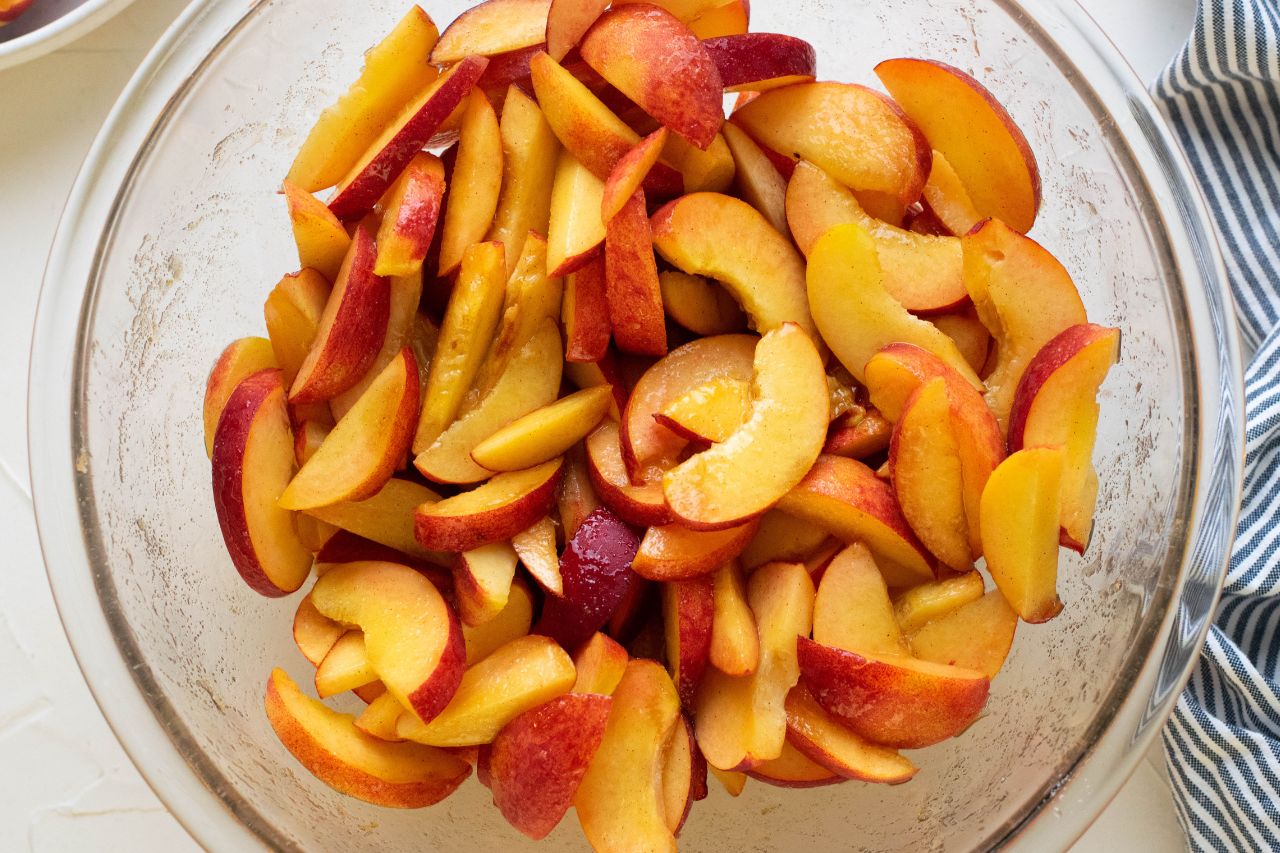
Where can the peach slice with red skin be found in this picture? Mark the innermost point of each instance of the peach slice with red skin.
(496, 510)
(899, 702)
(735, 641)
(329, 745)
(252, 463)
(964, 121)
(395, 70)
(823, 740)
(477, 182)
(407, 134)
(641, 504)
(629, 172)
(596, 571)
(568, 21)
(767, 456)
(1021, 509)
(793, 769)
(684, 775)
(687, 610)
(631, 281)
(741, 721)
(292, 312)
(670, 552)
(361, 453)
(492, 27)
(576, 230)
(847, 499)
(510, 623)
(321, 239)
(859, 437)
(240, 360)
(577, 498)
(676, 82)
(600, 663)
(351, 329)
(586, 313)
(536, 548)
(539, 758)
(869, 145)
(314, 633)
(852, 610)
(698, 234)
(411, 210)
(761, 61)
(977, 635)
(703, 307)
(402, 317)
(412, 637)
(482, 580)
(1056, 404)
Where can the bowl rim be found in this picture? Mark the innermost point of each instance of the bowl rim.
(62, 30)
(132, 703)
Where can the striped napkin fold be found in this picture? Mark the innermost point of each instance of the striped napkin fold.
(1221, 95)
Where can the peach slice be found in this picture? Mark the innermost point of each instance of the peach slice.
(684, 776)
(530, 381)
(379, 718)
(576, 230)
(856, 314)
(395, 70)
(647, 445)
(947, 200)
(358, 457)
(628, 174)
(859, 437)
(313, 632)
(792, 769)
(731, 19)
(385, 517)
(698, 233)
(620, 801)
(240, 360)
(577, 498)
(351, 329)
(410, 211)
(971, 337)
(672, 77)
(292, 313)
(492, 27)
(1024, 296)
(671, 552)
(923, 273)
(351, 762)
(530, 152)
(852, 610)
(521, 675)
(735, 640)
(823, 740)
(510, 623)
(687, 610)
(345, 667)
(605, 371)
(743, 476)
(402, 319)
(600, 663)
(1056, 404)
(321, 239)
(870, 145)
(709, 413)
(493, 511)
(976, 635)
(732, 781)
(642, 504)
(740, 720)
(252, 462)
(899, 702)
(631, 281)
(596, 572)
(412, 637)
(927, 472)
(568, 21)
(538, 760)
(782, 537)
(847, 499)
(477, 182)
(684, 10)
(587, 127)
(545, 433)
(536, 548)
(469, 324)
(406, 135)
(922, 604)
(586, 313)
(1021, 508)
(704, 308)
(709, 171)
(758, 62)
(482, 581)
(973, 131)
(758, 181)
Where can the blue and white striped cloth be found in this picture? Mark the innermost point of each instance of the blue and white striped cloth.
(1222, 97)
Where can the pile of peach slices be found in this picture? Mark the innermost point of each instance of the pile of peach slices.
(629, 442)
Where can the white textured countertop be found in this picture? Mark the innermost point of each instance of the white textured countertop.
(65, 784)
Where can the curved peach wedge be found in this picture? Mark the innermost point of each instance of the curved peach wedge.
(585, 314)
(411, 210)
(545, 433)
(346, 759)
(687, 610)
(292, 312)
(628, 174)
(321, 239)
(758, 62)
(495, 510)
(976, 635)
(743, 476)
(793, 769)
(511, 623)
(703, 307)
(240, 360)
(600, 663)
(920, 605)
(482, 580)
(252, 463)
(699, 234)
(852, 610)
(529, 150)
(412, 637)
(641, 504)
(670, 552)
(313, 632)
(477, 182)
(492, 27)
(735, 641)
(709, 413)
(536, 547)
(823, 740)
(568, 21)
(576, 229)
(386, 517)
(759, 183)
(964, 121)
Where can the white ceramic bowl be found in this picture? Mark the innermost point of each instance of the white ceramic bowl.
(50, 24)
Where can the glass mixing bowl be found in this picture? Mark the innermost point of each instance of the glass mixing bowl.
(175, 232)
